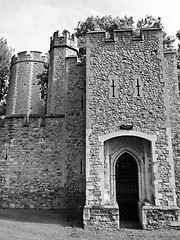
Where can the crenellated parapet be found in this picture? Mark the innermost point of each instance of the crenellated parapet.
(61, 47)
(28, 57)
(64, 40)
(124, 34)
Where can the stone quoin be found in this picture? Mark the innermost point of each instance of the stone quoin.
(107, 141)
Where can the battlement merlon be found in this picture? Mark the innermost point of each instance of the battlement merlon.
(33, 56)
(125, 34)
(64, 40)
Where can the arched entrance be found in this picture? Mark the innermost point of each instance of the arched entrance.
(127, 194)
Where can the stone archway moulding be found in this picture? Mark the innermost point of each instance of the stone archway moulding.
(151, 138)
(120, 133)
(139, 161)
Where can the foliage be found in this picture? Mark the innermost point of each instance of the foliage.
(5, 57)
(108, 23)
(149, 22)
(178, 50)
(168, 41)
(43, 82)
(178, 55)
(178, 35)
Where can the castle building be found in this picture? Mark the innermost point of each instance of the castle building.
(108, 140)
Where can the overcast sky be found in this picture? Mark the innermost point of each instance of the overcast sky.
(28, 24)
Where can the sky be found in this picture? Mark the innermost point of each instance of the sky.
(28, 24)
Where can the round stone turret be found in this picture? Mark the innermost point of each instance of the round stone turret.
(24, 91)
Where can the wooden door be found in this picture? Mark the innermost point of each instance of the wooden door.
(127, 187)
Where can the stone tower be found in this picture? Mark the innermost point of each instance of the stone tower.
(61, 46)
(24, 94)
(131, 110)
(109, 141)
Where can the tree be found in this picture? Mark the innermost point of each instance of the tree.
(92, 23)
(43, 82)
(178, 51)
(5, 57)
(151, 22)
(178, 35)
(178, 55)
(108, 24)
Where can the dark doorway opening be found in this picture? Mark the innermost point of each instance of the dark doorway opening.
(127, 195)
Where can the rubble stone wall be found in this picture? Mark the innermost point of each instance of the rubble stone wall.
(24, 91)
(33, 170)
(127, 57)
(43, 159)
(160, 217)
(173, 90)
(75, 132)
(60, 48)
(127, 88)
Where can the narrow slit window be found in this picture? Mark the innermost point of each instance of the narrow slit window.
(81, 166)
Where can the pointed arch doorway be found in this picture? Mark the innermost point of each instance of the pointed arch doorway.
(127, 194)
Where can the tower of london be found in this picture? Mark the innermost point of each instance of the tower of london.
(108, 140)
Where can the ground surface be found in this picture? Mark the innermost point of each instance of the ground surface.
(60, 225)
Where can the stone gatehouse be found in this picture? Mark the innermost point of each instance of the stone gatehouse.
(108, 139)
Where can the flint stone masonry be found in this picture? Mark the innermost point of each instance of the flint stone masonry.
(155, 218)
(60, 48)
(173, 90)
(101, 218)
(43, 155)
(124, 99)
(24, 92)
(148, 113)
(32, 166)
